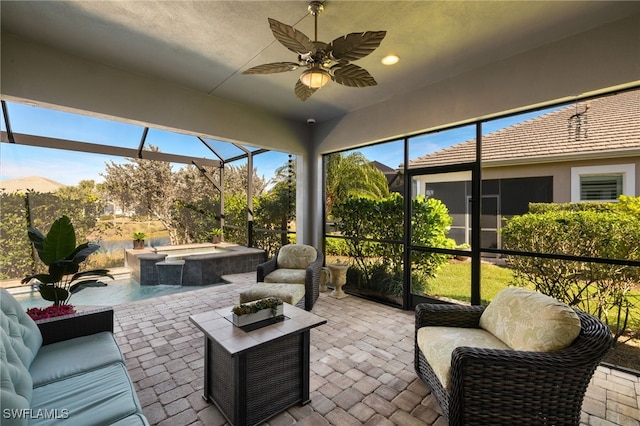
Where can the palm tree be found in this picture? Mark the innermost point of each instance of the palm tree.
(352, 175)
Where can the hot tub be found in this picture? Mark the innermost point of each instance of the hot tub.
(193, 264)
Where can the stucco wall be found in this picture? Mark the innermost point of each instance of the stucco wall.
(561, 173)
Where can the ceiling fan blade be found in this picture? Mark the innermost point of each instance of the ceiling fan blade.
(356, 45)
(290, 38)
(303, 91)
(353, 76)
(272, 68)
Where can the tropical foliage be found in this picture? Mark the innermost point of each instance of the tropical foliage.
(58, 251)
(352, 175)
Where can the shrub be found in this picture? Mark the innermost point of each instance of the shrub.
(336, 247)
(374, 230)
(596, 230)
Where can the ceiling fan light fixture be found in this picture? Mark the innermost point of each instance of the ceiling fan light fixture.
(324, 62)
(315, 78)
(390, 59)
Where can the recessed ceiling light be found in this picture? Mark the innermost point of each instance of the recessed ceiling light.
(390, 59)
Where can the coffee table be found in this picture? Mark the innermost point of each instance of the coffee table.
(252, 376)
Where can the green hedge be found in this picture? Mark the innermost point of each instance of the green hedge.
(598, 230)
(378, 265)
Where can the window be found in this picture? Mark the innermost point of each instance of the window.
(602, 183)
(600, 187)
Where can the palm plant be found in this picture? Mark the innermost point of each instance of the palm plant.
(58, 251)
(353, 175)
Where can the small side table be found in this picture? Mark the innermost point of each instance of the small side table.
(338, 279)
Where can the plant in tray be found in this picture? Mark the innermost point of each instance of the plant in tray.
(50, 311)
(58, 251)
(247, 313)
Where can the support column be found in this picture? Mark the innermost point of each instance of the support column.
(309, 200)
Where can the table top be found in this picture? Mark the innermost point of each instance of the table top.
(235, 340)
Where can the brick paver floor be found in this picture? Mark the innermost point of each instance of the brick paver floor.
(361, 365)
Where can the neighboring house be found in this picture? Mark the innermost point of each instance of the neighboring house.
(393, 176)
(589, 151)
(30, 183)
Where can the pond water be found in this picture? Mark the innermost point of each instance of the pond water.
(118, 291)
(114, 245)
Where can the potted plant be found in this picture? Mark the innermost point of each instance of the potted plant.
(138, 240)
(258, 310)
(58, 251)
(216, 235)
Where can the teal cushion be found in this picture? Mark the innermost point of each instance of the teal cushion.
(98, 397)
(23, 331)
(67, 358)
(15, 383)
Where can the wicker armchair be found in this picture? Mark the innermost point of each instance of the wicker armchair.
(509, 387)
(295, 263)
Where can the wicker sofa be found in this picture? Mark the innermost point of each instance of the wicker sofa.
(293, 274)
(68, 370)
(535, 372)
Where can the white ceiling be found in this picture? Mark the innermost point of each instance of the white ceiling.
(205, 45)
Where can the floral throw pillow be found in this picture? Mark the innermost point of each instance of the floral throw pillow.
(530, 321)
(296, 256)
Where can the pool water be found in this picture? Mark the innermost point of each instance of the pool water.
(118, 291)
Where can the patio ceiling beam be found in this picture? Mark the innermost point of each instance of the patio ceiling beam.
(143, 139)
(205, 143)
(206, 174)
(243, 156)
(92, 148)
(5, 114)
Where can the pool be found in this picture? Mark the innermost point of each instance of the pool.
(117, 292)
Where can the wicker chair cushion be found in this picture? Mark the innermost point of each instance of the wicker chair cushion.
(287, 276)
(530, 321)
(289, 293)
(296, 256)
(437, 344)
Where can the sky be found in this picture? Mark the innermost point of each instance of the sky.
(69, 168)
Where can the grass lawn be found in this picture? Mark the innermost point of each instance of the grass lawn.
(453, 281)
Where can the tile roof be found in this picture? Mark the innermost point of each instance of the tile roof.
(590, 129)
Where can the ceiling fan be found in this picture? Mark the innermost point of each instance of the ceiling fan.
(323, 61)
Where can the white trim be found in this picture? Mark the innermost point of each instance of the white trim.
(628, 172)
